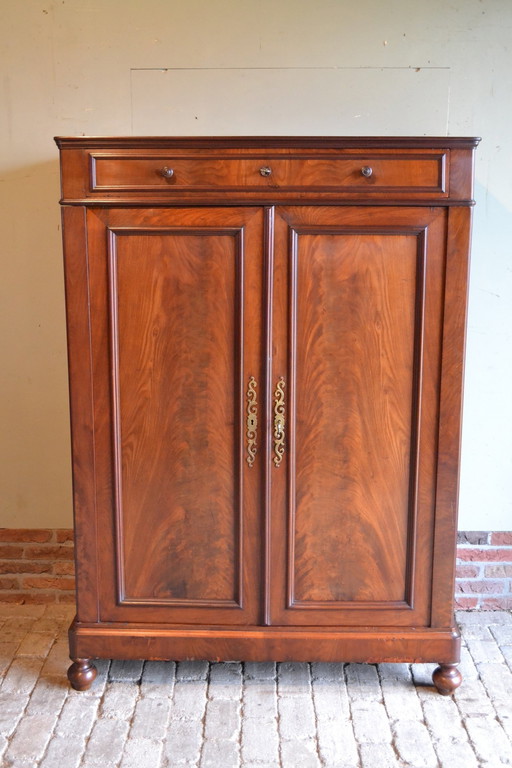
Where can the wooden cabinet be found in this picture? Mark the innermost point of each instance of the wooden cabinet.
(265, 347)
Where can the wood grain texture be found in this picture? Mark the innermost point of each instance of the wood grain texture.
(364, 318)
(393, 644)
(353, 291)
(420, 173)
(175, 347)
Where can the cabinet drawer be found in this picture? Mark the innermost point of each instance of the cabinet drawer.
(424, 173)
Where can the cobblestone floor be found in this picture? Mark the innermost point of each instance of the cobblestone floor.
(166, 715)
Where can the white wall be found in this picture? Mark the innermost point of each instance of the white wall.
(241, 67)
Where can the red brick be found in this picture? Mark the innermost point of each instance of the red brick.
(25, 534)
(501, 537)
(11, 552)
(64, 568)
(48, 582)
(12, 597)
(464, 603)
(64, 535)
(22, 566)
(472, 554)
(467, 571)
(501, 571)
(51, 552)
(11, 583)
(496, 603)
(480, 587)
(39, 598)
(65, 597)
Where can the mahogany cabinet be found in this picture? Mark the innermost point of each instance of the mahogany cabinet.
(266, 351)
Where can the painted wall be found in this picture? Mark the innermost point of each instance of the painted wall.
(241, 67)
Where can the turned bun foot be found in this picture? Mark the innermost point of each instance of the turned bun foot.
(82, 674)
(447, 678)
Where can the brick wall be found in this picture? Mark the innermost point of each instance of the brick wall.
(36, 566)
(484, 570)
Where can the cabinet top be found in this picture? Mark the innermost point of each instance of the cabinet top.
(327, 142)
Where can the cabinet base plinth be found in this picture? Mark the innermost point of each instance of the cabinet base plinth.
(368, 645)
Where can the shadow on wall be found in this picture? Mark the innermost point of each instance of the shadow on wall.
(35, 485)
(486, 467)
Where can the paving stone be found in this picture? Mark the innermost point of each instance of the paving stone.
(300, 753)
(378, 756)
(22, 676)
(12, 707)
(412, 742)
(489, 740)
(22, 611)
(484, 650)
(467, 665)
(7, 651)
(293, 678)
(189, 700)
(296, 716)
(141, 752)
(49, 695)
(331, 700)
(371, 725)
(225, 680)
(123, 671)
(30, 739)
(220, 753)
(502, 634)
(150, 719)
(158, 679)
(259, 704)
(363, 682)
(472, 700)
(192, 670)
(260, 670)
(336, 742)
(106, 744)
(119, 700)
(455, 754)
(36, 644)
(77, 716)
(222, 719)
(183, 743)
(497, 680)
(260, 741)
(63, 752)
(442, 717)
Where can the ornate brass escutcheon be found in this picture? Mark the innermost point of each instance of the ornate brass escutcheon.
(252, 421)
(279, 421)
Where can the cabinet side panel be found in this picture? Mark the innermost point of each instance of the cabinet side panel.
(82, 409)
(177, 346)
(455, 301)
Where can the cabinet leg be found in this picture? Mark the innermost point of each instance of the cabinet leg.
(447, 678)
(82, 674)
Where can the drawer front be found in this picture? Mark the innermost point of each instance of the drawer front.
(423, 173)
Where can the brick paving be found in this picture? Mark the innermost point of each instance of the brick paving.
(167, 715)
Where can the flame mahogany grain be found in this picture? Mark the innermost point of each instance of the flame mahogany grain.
(350, 287)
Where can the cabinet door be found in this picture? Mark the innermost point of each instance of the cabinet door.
(356, 337)
(176, 303)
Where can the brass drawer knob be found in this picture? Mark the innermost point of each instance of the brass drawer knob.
(166, 172)
(367, 171)
(265, 171)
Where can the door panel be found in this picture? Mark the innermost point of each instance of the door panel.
(180, 336)
(357, 317)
